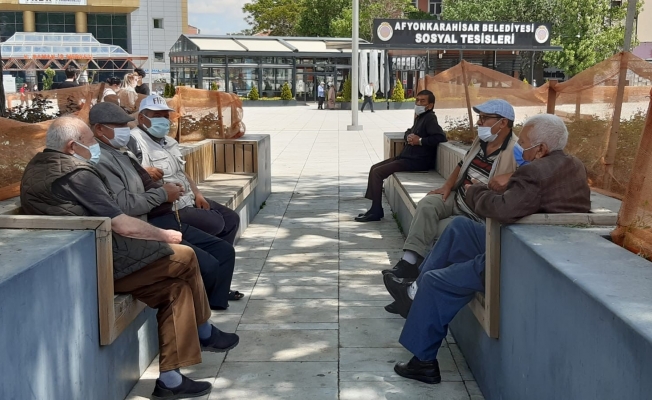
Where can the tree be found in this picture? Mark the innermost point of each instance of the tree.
(398, 95)
(316, 17)
(48, 79)
(280, 17)
(370, 10)
(253, 93)
(286, 93)
(589, 30)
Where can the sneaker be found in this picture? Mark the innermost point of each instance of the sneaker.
(219, 342)
(186, 390)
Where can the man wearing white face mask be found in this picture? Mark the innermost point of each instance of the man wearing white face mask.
(159, 154)
(490, 161)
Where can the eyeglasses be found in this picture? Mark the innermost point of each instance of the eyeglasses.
(483, 118)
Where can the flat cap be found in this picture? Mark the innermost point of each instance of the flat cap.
(108, 113)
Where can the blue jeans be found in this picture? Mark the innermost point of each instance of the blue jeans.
(450, 275)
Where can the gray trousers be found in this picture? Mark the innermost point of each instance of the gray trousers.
(432, 216)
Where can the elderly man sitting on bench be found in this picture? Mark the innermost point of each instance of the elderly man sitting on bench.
(547, 181)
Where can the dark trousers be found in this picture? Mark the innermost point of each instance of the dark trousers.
(320, 104)
(450, 275)
(377, 174)
(368, 100)
(219, 221)
(216, 258)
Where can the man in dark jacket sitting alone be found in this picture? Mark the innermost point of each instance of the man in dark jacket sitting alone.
(419, 154)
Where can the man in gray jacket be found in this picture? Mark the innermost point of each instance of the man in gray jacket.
(139, 196)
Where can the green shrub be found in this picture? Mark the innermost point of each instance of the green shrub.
(346, 93)
(48, 79)
(253, 93)
(286, 93)
(215, 86)
(398, 95)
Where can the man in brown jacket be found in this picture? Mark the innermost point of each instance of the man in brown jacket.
(148, 262)
(547, 181)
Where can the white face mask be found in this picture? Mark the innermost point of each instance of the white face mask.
(418, 110)
(484, 133)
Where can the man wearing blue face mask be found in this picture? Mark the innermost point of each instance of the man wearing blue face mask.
(160, 155)
(419, 154)
(489, 160)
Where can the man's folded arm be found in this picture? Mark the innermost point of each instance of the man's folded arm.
(519, 200)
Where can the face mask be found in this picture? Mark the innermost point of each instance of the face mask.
(518, 154)
(160, 127)
(121, 137)
(484, 133)
(418, 110)
(94, 150)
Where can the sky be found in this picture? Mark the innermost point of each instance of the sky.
(217, 17)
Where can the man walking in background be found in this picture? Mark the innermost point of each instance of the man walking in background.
(368, 97)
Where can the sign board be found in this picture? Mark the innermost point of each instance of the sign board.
(54, 2)
(461, 35)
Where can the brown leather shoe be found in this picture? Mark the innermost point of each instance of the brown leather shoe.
(423, 371)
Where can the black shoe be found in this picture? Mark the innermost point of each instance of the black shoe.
(424, 371)
(391, 308)
(404, 269)
(398, 288)
(186, 390)
(219, 342)
(369, 218)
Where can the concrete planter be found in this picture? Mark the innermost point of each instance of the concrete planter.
(271, 103)
(345, 105)
(405, 105)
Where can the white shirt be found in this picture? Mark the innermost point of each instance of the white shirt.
(166, 156)
(368, 91)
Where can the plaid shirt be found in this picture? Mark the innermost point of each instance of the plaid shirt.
(553, 184)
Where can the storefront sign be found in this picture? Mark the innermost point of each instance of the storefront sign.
(54, 2)
(59, 57)
(461, 34)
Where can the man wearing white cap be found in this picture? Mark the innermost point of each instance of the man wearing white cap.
(161, 156)
(490, 161)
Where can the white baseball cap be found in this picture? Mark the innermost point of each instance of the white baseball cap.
(154, 102)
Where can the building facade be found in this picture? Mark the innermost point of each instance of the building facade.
(141, 27)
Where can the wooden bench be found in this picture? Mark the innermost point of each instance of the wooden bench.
(117, 311)
(405, 189)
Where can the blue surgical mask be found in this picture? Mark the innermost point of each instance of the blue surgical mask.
(121, 137)
(518, 154)
(160, 127)
(95, 151)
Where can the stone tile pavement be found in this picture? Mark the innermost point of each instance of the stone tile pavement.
(312, 324)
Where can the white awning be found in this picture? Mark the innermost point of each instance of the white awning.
(217, 44)
(264, 45)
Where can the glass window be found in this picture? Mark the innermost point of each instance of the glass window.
(109, 29)
(159, 56)
(235, 60)
(55, 22)
(213, 60)
(214, 75)
(242, 79)
(158, 23)
(273, 80)
(434, 7)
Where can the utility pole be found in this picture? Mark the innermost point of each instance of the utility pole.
(355, 57)
(3, 109)
(612, 145)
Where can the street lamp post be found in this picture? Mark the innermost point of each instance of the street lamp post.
(354, 68)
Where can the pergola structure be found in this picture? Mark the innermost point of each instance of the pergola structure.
(39, 51)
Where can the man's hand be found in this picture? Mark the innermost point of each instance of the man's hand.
(155, 173)
(200, 202)
(444, 191)
(499, 183)
(413, 139)
(172, 237)
(174, 191)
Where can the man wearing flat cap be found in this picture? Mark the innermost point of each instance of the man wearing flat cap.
(490, 160)
(139, 196)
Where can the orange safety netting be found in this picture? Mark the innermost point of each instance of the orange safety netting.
(199, 114)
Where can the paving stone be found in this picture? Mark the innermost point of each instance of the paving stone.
(276, 380)
(370, 333)
(465, 371)
(271, 291)
(286, 345)
(290, 311)
(299, 278)
(404, 389)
